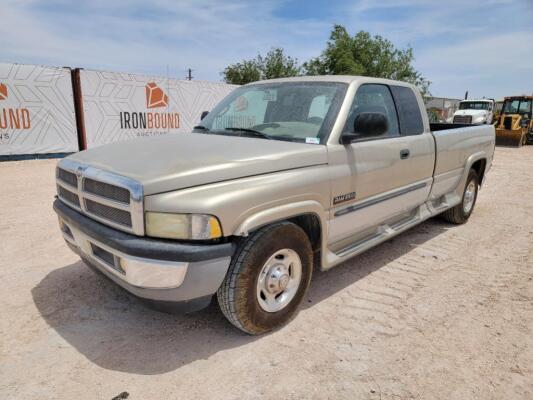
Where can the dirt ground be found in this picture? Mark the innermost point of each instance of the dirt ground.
(440, 312)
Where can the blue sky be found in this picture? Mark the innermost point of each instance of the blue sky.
(484, 46)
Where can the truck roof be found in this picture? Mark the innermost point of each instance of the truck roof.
(518, 97)
(333, 78)
(478, 100)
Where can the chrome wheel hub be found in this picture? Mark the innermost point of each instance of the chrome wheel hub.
(279, 280)
(469, 197)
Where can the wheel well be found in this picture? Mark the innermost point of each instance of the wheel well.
(479, 167)
(310, 223)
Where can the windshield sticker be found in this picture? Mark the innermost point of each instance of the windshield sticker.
(312, 140)
(241, 104)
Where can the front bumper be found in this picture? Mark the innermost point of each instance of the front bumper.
(167, 273)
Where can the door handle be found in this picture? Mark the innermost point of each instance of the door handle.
(404, 154)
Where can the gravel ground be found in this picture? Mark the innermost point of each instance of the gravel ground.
(440, 312)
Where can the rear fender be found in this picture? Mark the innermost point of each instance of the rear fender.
(469, 162)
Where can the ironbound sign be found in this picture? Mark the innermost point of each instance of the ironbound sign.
(36, 110)
(119, 106)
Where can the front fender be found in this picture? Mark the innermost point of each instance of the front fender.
(282, 212)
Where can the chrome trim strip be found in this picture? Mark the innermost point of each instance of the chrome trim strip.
(82, 171)
(66, 186)
(380, 199)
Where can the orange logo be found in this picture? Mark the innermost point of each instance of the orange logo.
(155, 97)
(3, 91)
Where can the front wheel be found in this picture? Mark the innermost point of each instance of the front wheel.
(462, 211)
(267, 279)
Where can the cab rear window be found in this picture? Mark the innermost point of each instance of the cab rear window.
(408, 110)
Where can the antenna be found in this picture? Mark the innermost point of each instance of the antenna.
(189, 75)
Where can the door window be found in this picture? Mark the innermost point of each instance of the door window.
(373, 98)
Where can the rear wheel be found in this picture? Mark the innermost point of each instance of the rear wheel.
(267, 279)
(462, 211)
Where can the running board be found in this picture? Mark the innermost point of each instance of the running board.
(386, 232)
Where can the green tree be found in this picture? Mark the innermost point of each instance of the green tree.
(274, 65)
(363, 54)
(241, 73)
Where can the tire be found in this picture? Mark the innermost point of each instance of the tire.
(460, 213)
(240, 298)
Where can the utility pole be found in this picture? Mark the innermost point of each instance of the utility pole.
(189, 75)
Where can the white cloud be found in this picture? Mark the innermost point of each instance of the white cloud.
(204, 35)
(493, 66)
(483, 45)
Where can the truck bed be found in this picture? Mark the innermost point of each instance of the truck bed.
(443, 126)
(454, 145)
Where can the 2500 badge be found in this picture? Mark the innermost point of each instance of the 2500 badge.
(344, 197)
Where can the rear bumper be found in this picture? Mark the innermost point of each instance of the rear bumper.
(172, 274)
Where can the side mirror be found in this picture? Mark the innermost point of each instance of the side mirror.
(204, 114)
(367, 124)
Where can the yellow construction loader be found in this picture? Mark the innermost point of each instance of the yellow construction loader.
(497, 111)
(515, 123)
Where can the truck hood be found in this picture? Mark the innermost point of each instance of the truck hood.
(473, 113)
(179, 161)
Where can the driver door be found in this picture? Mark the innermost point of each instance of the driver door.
(379, 173)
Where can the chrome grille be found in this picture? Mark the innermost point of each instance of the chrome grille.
(111, 199)
(111, 213)
(462, 119)
(106, 190)
(67, 177)
(68, 196)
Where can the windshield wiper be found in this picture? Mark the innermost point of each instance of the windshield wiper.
(202, 128)
(252, 131)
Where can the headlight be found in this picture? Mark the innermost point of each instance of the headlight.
(182, 226)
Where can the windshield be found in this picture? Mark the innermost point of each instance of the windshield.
(517, 106)
(474, 105)
(293, 111)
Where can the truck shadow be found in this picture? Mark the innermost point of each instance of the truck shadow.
(117, 332)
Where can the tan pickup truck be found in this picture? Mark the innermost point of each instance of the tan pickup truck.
(280, 176)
